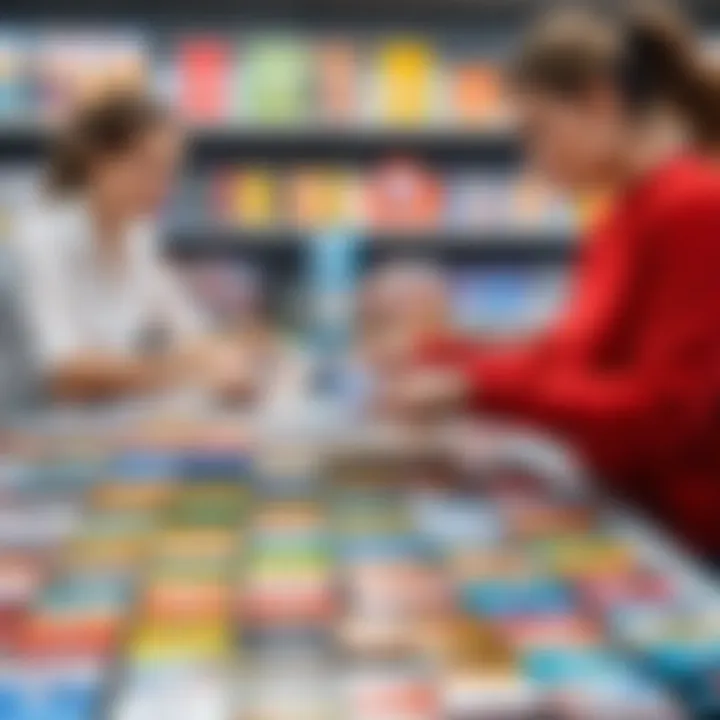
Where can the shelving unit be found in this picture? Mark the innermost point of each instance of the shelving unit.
(492, 246)
(494, 148)
(499, 13)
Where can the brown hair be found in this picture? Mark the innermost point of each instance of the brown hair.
(649, 52)
(107, 127)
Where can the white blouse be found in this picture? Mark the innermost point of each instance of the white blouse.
(74, 302)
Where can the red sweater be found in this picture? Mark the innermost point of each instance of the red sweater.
(631, 374)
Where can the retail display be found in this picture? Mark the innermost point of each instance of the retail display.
(397, 196)
(175, 569)
(175, 573)
(255, 79)
(264, 103)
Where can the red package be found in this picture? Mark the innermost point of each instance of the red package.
(288, 607)
(204, 68)
(44, 636)
(12, 618)
(561, 631)
(641, 587)
(395, 697)
(404, 195)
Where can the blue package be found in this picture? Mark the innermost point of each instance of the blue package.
(213, 465)
(704, 693)
(680, 648)
(599, 680)
(15, 80)
(144, 465)
(517, 598)
(59, 478)
(691, 669)
(457, 522)
(72, 700)
(560, 666)
(385, 548)
(85, 593)
(78, 474)
(14, 702)
(333, 271)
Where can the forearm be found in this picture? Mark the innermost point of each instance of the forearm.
(99, 376)
(620, 422)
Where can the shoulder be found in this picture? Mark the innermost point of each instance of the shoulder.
(687, 193)
(49, 227)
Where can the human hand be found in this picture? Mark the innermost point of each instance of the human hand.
(424, 395)
(231, 374)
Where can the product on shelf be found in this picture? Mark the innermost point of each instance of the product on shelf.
(205, 79)
(258, 79)
(248, 198)
(339, 83)
(75, 68)
(403, 195)
(405, 82)
(277, 87)
(319, 198)
(14, 79)
(494, 300)
(476, 94)
(535, 204)
(479, 201)
(400, 195)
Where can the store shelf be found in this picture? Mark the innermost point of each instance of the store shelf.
(286, 246)
(353, 143)
(22, 142)
(283, 251)
(28, 142)
(214, 13)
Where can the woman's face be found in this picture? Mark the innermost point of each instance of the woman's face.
(575, 143)
(137, 181)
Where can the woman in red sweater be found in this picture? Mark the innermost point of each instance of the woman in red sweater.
(631, 374)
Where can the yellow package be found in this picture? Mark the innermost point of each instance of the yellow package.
(124, 496)
(158, 641)
(108, 553)
(574, 558)
(253, 198)
(194, 543)
(406, 81)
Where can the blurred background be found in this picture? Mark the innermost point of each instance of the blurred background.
(385, 119)
(135, 563)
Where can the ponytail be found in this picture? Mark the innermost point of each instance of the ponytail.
(649, 53)
(663, 63)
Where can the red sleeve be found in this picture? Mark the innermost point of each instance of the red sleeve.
(660, 401)
(518, 360)
(510, 370)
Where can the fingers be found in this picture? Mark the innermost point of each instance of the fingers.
(424, 395)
